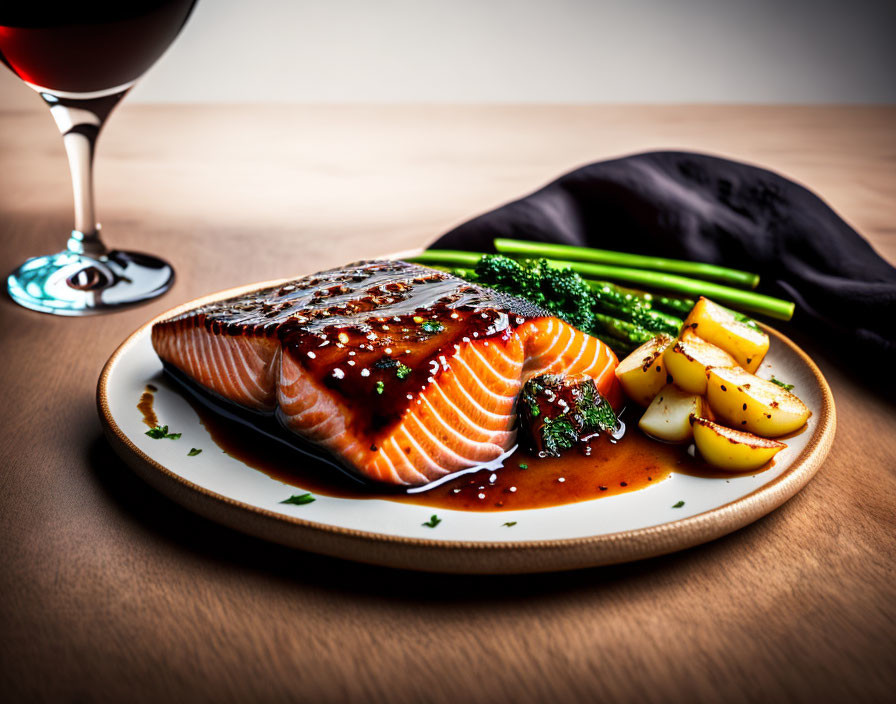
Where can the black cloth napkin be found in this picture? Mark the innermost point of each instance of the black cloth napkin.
(704, 208)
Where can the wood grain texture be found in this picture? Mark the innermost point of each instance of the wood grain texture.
(109, 592)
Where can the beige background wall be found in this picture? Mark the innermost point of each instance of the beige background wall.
(580, 51)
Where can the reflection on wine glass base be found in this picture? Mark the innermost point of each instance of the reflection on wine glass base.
(73, 284)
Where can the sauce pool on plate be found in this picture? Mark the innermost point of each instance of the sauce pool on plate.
(524, 481)
(145, 406)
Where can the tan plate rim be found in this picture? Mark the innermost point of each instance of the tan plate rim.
(469, 556)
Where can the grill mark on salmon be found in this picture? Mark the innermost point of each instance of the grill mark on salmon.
(404, 374)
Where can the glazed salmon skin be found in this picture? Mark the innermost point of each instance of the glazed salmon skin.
(404, 374)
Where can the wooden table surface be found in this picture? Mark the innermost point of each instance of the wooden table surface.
(108, 591)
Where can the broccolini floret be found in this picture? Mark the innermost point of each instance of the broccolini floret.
(499, 272)
(561, 291)
(593, 411)
(557, 435)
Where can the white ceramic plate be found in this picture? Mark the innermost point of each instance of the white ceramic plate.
(606, 530)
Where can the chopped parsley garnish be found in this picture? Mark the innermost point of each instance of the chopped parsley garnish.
(432, 326)
(523, 465)
(403, 371)
(160, 432)
(433, 521)
(601, 416)
(786, 387)
(380, 387)
(557, 434)
(530, 396)
(596, 414)
(193, 452)
(678, 505)
(509, 524)
(299, 499)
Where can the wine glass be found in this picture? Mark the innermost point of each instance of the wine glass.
(82, 58)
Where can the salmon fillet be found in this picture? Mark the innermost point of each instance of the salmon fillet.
(404, 374)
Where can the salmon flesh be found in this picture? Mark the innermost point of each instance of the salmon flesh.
(404, 374)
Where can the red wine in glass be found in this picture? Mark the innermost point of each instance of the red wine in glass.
(82, 58)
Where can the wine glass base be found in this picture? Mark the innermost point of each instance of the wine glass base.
(76, 284)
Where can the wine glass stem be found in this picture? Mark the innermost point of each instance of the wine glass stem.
(85, 236)
(80, 121)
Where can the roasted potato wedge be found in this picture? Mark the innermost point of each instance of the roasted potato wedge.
(642, 374)
(732, 450)
(718, 326)
(746, 402)
(687, 359)
(668, 417)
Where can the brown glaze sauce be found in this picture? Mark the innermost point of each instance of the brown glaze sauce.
(378, 367)
(145, 406)
(525, 481)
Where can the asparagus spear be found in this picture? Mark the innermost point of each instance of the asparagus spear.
(678, 307)
(674, 306)
(639, 308)
(622, 330)
(448, 257)
(699, 270)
